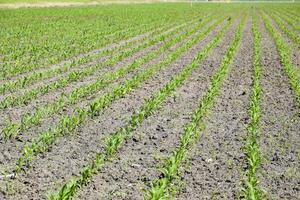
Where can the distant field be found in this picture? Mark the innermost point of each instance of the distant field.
(41, 1)
(150, 101)
(67, 1)
(51, 3)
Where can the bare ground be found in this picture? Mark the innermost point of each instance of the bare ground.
(216, 163)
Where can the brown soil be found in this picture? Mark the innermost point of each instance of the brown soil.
(215, 165)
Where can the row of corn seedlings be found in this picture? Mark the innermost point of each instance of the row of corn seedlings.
(191, 131)
(288, 20)
(115, 141)
(25, 55)
(251, 148)
(293, 36)
(285, 55)
(68, 123)
(23, 81)
(73, 76)
(11, 129)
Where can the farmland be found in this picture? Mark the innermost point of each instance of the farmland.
(150, 101)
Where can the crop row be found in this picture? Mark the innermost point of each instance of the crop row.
(288, 20)
(11, 70)
(294, 37)
(17, 48)
(11, 129)
(160, 187)
(285, 56)
(251, 148)
(115, 141)
(24, 81)
(13, 100)
(292, 15)
(68, 123)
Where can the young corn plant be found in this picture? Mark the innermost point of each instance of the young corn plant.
(9, 131)
(251, 148)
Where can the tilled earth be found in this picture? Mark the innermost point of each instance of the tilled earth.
(215, 164)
